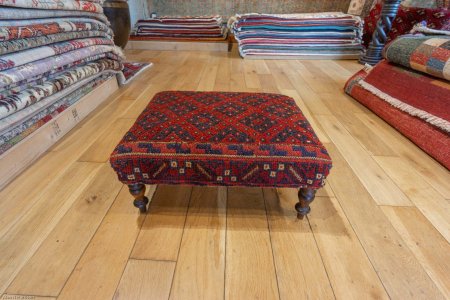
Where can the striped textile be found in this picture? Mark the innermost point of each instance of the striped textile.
(318, 34)
(185, 28)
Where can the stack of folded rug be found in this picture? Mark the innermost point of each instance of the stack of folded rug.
(335, 35)
(52, 53)
(410, 90)
(180, 28)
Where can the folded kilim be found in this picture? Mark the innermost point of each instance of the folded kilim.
(52, 53)
(318, 34)
(180, 28)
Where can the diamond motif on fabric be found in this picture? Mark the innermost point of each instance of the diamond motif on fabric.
(230, 134)
(174, 132)
(258, 122)
(230, 109)
(152, 119)
(207, 98)
(289, 135)
(253, 100)
(204, 121)
(182, 108)
(280, 110)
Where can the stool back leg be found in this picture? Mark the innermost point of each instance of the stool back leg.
(138, 192)
(305, 197)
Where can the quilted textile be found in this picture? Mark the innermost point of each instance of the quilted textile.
(213, 138)
(430, 55)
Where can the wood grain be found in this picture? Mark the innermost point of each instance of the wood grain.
(248, 247)
(99, 269)
(200, 266)
(161, 233)
(24, 238)
(348, 267)
(425, 198)
(145, 279)
(400, 272)
(299, 268)
(430, 248)
(66, 243)
(375, 180)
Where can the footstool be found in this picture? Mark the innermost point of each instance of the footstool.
(225, 139)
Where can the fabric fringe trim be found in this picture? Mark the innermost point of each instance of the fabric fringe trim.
(415, 112)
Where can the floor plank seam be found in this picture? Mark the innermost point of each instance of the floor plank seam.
(321, 257)
(87, 245)
(225, 247)
(270, 239)
(181, 240)
(131, 248)
(362, 245)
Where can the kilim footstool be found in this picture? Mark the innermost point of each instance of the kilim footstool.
(215, 138)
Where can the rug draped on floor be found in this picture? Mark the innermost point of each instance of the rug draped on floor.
(132, 69)
(415, 104)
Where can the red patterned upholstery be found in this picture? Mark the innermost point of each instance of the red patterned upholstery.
(212, 138)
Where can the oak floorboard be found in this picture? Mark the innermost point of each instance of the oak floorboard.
(161, 233)
(399, 270)
(102, 148)
(430, 248)
(25, 297)
(349, 269)
(375, 180)
(22, 240)
(248, 247)
(299, 267)
(145, 279)
(48, 269)
(99, 269)
(431, 171)
(432, 205)
(200, 267)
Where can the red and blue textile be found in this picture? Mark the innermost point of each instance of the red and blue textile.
(217, 138)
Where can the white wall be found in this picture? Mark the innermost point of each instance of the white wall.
(138, 10)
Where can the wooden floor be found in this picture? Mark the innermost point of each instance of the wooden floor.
(380, 229)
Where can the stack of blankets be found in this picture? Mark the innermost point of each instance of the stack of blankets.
(327, 35)
(208, 28)
(52, 53)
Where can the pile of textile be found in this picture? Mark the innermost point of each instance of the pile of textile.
(180, 28)
(52, 53)
(410, 90)
(324, 35)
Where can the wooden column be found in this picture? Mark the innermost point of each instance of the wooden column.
(138, 192)
(384, 25)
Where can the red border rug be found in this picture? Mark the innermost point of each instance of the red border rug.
(132, 69)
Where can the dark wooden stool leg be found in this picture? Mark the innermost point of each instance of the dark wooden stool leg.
(305, 197)
(138, 192)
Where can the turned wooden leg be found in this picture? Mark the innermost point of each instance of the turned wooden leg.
(305, 197)
(138, 192)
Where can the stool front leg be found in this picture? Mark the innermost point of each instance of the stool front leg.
(138, 192)
(305, 197)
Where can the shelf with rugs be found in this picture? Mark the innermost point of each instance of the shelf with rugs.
(22, 155)
(201, 33)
